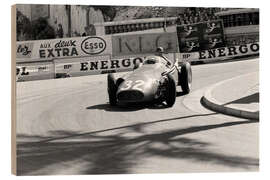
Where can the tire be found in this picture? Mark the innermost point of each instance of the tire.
(186, 77)
(170, 94)
(112, 89)
(179, 78)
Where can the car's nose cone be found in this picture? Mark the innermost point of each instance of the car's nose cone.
(137, 90)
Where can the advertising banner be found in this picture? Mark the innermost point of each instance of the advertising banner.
(213, 35)
(144, 43)
(96, 65)
(221, 53)
(34, 71)
(42, 50)
(200, 36)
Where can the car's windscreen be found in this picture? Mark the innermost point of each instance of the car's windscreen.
(156, 59)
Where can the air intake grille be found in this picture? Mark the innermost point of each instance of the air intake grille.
(130, 95)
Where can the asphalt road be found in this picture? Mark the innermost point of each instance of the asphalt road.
(65, 126)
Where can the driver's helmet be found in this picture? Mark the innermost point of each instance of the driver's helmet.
(150, 61)
(160, 50)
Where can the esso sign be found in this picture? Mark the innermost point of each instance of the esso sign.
(93, 45)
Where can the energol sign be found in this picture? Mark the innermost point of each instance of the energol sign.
(110, 64)
(229, 51)
(223, 52)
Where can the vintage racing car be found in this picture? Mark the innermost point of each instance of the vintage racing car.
(155, 80)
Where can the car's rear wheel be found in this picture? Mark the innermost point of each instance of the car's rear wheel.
(112, 89)
(170, 94)
(186, 77)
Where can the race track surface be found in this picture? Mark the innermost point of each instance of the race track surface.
(66, 126)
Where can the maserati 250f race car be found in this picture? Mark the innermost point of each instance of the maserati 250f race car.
(154, 80)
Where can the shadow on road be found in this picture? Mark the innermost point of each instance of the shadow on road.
(128, 108)
(253, 98)
(132, 106)
(118, 108)
(118, 153)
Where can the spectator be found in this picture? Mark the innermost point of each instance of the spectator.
(59, 31)
(85, 31)
(75, 34)
(195, 15)
(89, 30)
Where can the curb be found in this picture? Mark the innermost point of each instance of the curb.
(210, 103)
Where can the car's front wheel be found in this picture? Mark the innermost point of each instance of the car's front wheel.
(186, 77)
(170, 94)
(112, 89)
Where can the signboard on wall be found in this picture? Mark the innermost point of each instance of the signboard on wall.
(200, 36)
(97, 65)
(221, 53)
(42, 50)
(34, 71)
(115, 46)
(143, 43)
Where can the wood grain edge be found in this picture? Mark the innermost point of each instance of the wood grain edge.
(13, 91)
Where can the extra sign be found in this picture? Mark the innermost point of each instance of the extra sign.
(62, 48)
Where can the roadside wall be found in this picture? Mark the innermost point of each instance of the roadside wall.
(88, 55)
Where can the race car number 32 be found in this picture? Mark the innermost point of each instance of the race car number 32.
(135, 85)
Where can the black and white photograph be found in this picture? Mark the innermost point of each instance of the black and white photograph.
(110, 89)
